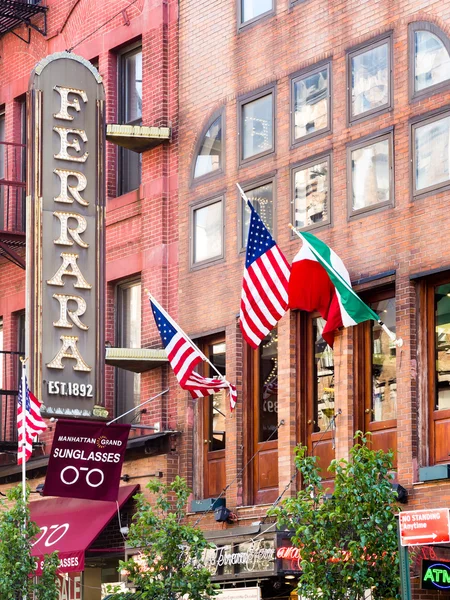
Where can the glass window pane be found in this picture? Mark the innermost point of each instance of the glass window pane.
(268, 397)
(217, 413)
(133, 87)
(371, 175)
(432, 153)
(253, 8)
(323, 379)
(311, 104)
(311, 190)
(262, 200)
(209, 158)
(370, 79)
(431, 60)
(128, 384)
(384, 374)
(442, 347)
(257, 135)
(208, 232)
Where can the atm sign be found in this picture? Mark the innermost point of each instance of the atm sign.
(435, 575)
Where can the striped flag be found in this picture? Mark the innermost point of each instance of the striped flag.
(184, 356)
(264, 298)
(34, 423)
(320, 281)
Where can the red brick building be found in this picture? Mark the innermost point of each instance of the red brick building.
(134, 46)
(332, 116)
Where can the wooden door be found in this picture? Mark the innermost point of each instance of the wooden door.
(214, 425)
(320, 408)
(265, 420)
(378, 372)
(438, 313)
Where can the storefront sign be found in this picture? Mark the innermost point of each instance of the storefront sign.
(86, 460)
(247, 557)
(422, 527)
(69, 586)
(65, 229)
(247, 593)
(435, 575)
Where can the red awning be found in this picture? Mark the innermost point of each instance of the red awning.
(70, 525)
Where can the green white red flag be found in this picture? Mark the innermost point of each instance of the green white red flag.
(320, 282)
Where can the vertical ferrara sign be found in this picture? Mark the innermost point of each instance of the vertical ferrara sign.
(65, 235)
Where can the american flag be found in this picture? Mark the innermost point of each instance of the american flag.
(264, 298)
(184, 356)
(34, 424)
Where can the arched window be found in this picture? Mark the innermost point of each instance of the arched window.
(429, 59)
(209, 157)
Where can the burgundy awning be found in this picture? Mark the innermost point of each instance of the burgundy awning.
(70, 525)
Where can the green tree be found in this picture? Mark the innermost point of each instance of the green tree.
(169, 563)
(16, 562)
(347, 539)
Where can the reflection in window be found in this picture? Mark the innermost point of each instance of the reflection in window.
(130, 109)
(250, 9)
(209, 158)
(432, 159)
(268, 397)
(262, 200)
(323, 379)
(311, 195)
(384, 375)
(431, 60)
(208, 232)
(370, 79)
(370, 175)
(217, 413)
(128, 335)
(442, 346)
(257, 126)
(311, 96)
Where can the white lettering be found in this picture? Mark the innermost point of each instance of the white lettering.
(63, 154)
(66, 104)
(69, 260)
(74, 233)
(69, 349)
(65, 313)
(74, 190)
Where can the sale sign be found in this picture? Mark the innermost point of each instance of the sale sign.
(86, 460)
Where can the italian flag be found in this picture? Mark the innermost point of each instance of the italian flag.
(320, 282)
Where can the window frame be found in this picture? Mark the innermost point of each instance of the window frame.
(270, 89)
(299, 166)
(427, 341)
(414, 124)
(249, 186)
(244, 24)
(439, 33)
(363, 351)
(221, 170)
(369, 140)
(119, 288)
(360, 49)
(128, 50)
(194, 266)
(293, 79)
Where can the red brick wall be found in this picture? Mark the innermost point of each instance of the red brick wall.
(142, 229)
(218, 64)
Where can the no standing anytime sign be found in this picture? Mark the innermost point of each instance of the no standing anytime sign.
(419, 527)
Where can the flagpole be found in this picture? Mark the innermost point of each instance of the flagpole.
(138, 406)
(397, 341)
(243, 194)
(24, 467)
(23, 428)
(169, 318)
